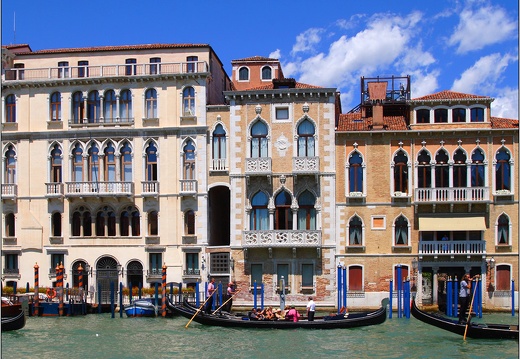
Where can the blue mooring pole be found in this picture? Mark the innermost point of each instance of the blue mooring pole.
(112, 300)
(262, 296)
(254, 295)
(197, 294)
(120, 299)
(448, 297)
(339, 286)
(399, 291)
(99, 298)
(156, 294)
(513, 297)
(344, 286)
(140, 289)
(391, 294)
(455, 297)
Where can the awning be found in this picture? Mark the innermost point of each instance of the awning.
(453, 223)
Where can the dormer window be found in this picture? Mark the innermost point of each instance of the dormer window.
(266, 73)
(243, 74)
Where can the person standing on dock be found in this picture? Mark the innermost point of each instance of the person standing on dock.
(311, 308)
(209, 295)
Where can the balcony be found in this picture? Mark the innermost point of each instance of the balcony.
(9, 191)
(101, 122)
(451, 248)
(9, 241)
(54, 190)
(154, 274)
(11, 273)
(97, 189)
(219, 165)
(188, 187)
(191, 272)
(104, 71)
(281, 239)
(150, 188)
(306, 165)
(258, 166)
(459, 195)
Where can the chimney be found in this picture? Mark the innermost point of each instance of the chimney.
(377, 94)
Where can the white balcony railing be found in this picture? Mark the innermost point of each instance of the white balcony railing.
(9, 190)
(150, 187)
(78, 72)
(219, 164)
(452, 247)
(306, 164)
(459, 194)
(54, 189)
(100, 188)
(188, 186)
(281, 238)
(258, 166)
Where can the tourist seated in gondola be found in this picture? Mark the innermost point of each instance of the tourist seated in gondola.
(343, 313)
(292, 314)
(255, 315)
(279, 314)
(268, 314)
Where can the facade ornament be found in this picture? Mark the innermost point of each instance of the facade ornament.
(258, 109)
(305, 107)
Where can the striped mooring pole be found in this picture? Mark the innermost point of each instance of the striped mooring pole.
(164, 290)
(59, 277)
(36, 290)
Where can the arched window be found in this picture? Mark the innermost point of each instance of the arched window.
(124, 223)
(266, 73)
(10, 228)
(81, 220)
(219, 148)
(243, 74)
(424, 170)
(100, 224)
(306, 139)
(458, 115)
(56, 224)
(460, 173)
(151, 163)
(401, 231)
(110, 111)
(355, 173)
(477, 168)
(151, 103)
(153, 223)
(78, 107)
(126, 162)
(129, 222)
(189, 160)
(10, 165)
(77, 164)
(423, 116)
(125, 106)
(56, 162)
(191, 63)
(189, 223)
(401, 172)
(259, 218)
(188, 100)
(355, 231)
(106, 222)
(136, 223)
(10, 108)
(93, 104)
(442, 169)
(55, 107)
(110, 163)
(503, 230)
(93, 163)
(503, 170)
(441, 115)
(306, 211)
(283, 213)
(259, 140)
(477, 114)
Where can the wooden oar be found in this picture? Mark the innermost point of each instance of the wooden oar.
(198, 310)
(223, 304)
(470, 308)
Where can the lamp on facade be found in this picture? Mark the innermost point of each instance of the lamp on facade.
(88, 269)
(232, 263)
(415, 265)
(491, 264)
(120, 270)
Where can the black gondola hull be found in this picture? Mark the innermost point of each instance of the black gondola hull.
(14, 323)
(474, 330)
(224, 320)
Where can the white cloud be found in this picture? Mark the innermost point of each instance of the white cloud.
(424, 83)
(484, 74)
(306, 41)
(276, 54)
(506, 104)
(481, 27)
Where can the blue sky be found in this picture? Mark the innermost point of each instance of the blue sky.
(467, 46)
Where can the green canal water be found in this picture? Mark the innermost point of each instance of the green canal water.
(101, 336)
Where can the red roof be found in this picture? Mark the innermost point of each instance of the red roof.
(450, 95)
(354, 122)
(116, 48)
(497, 122)
(270, 86)
(255, 58)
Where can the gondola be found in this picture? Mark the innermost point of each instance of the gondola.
(475, 330)
(13, 316)
(222, 319)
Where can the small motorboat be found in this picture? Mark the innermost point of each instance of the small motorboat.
(473, 330)
(144, 307)
(14, 315)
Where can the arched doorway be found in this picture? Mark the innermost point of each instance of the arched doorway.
(134, 274)
(106, 272)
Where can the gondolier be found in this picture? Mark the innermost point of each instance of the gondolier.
(209, 295)
(464, 297)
